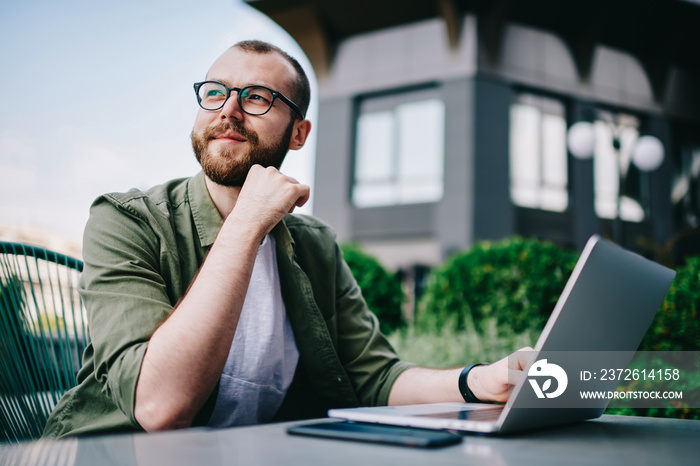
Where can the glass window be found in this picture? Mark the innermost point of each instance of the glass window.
(615, 137)
(537, 154)
(399, 156)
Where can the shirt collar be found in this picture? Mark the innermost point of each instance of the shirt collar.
(204, 213)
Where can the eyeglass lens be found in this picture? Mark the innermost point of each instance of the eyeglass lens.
(253, 99)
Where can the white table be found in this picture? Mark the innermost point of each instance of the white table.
(610, 440)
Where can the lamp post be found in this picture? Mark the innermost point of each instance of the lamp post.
(647, 156)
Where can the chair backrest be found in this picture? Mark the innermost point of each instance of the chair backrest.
(43, 332)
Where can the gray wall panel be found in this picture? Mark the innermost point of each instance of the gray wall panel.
(333, 164)
(494, 214)
(413, 220)
(455, 213)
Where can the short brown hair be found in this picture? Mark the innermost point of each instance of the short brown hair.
(300, 88)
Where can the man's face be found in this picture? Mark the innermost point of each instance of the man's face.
(227, 142)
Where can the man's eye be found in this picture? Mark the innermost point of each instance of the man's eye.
(213, 94)
(257, 96)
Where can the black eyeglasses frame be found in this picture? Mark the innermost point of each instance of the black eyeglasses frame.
(239, 91)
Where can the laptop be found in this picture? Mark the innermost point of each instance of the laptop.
(604, 311)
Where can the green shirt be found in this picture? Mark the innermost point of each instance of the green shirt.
(142, 250)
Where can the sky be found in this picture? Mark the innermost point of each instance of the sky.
(98, 98)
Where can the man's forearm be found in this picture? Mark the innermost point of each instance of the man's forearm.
(490, 382)
(187, 353)
(424, 385)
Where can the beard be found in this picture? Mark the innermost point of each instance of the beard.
(228, 169)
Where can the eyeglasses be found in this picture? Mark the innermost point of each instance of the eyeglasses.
(253, 100)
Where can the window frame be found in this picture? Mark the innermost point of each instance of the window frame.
(390, 100)
(549, 104)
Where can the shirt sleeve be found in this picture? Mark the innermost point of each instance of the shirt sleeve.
(125, 296)
(369, 359)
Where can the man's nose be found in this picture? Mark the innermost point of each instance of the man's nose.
(231, 108)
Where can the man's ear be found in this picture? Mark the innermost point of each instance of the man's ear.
(300, 132)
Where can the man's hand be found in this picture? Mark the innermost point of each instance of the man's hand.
(492, 382)
(266, 197)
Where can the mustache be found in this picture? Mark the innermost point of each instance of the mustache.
(211, 132)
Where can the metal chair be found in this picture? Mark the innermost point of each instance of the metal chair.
(43, 332)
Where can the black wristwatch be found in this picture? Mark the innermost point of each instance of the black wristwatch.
(467, 394)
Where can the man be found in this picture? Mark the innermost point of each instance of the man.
(209, 305)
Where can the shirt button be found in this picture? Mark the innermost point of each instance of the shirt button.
(340, 379)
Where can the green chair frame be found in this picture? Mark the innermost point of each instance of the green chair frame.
(43, 332)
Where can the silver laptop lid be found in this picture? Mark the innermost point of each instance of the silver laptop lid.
(607, 305)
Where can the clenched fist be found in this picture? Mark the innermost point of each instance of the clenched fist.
(266, 197)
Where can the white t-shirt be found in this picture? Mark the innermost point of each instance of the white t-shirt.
(264, 356)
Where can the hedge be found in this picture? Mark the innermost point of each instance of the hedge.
(515, 280)
(382, 291)
(676, 326)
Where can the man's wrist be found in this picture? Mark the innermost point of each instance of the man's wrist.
(243, 229)
(464, 387)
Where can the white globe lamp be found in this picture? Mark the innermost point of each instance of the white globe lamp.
(581, 140)
(648, 153)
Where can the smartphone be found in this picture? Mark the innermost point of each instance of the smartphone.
(377, 433)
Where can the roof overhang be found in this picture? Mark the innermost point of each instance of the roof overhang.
(660, 33)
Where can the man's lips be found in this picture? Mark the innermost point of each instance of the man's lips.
(229, 136)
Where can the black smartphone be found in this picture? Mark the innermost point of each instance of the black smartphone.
(377, 433)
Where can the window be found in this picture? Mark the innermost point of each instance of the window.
(399, 149)
(537, 154)
(615, 138)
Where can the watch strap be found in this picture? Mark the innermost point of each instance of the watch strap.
(467, 394)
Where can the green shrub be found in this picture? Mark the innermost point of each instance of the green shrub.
(382, 291)
(516, 281)
(676, 326)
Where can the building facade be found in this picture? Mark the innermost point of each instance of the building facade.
(446, 122)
